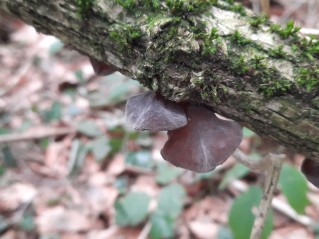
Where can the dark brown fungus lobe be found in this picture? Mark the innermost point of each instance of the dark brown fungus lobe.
(310, 169)
(152, 112)
(100, 68)
(204, 143)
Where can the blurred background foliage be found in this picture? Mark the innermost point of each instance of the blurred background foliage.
(70, 167)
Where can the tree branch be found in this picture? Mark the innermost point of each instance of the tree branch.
(218, 54)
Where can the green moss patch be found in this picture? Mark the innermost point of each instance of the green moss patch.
(83, 6)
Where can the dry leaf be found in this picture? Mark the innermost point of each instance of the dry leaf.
(146, 184)
(101, 199)
(204, 230)
(292, 231)
(59, 219)
(15, 195)
(116, 166)
(115, 232)
(213, 207)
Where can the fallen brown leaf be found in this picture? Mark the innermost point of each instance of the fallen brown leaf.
(15, 195)
(204, 229)
(60, 219)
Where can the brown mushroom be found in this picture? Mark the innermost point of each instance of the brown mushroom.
(100, 68)
(204, 143)
(310, 169)
(149, 111)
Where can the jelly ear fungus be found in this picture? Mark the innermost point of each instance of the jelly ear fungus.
(310, 168)
(100, 68)
(204, 143)
(152, 112)
(197, 139)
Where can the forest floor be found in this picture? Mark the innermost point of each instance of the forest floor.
(71, 168)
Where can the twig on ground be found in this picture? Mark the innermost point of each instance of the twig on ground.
(136, 170)
(278, 205)
(273, 172)
(146, 230)
(15, 79)
(259, 166)
(35, 133)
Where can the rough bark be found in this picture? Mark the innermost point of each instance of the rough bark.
(216, 54)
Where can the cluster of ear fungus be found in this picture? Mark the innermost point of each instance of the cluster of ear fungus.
(197, 139)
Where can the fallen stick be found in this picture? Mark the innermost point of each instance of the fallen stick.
(35, 133)
(278, 205)
(273, 172)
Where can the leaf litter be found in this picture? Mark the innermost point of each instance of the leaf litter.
(71, 168)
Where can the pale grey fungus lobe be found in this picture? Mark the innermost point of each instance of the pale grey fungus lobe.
(149, 111)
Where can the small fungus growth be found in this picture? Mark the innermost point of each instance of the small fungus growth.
(152, 112)
(310, 169)
(100, 68)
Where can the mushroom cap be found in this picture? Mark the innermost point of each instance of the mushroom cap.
(310, 169)
(152, 112)
(204, 143)
(100, 68)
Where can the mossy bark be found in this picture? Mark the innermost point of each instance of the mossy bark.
(207, 52)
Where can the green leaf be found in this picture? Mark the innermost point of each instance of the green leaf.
(4, 131)
(204, 176)
(294, 186)
(170, 203)
(132, 209)
(4, 224)
(166, 173)
(80, 76)
(236, 172)
(162, 226)
(83, 152)
(100, 148)
(54, 113)
(141, 159)
(116, 145)
(77, 156)
(27, 222)
(268, 226)
(171, 200)
(315, 228)
(8, 157)
(121, 183)
(144, 139)
(88, 128)
(241, 218)
(2, 170)
(44, 143)
(224, 233)
(248, 133)
(113, 89)
(56, 47)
